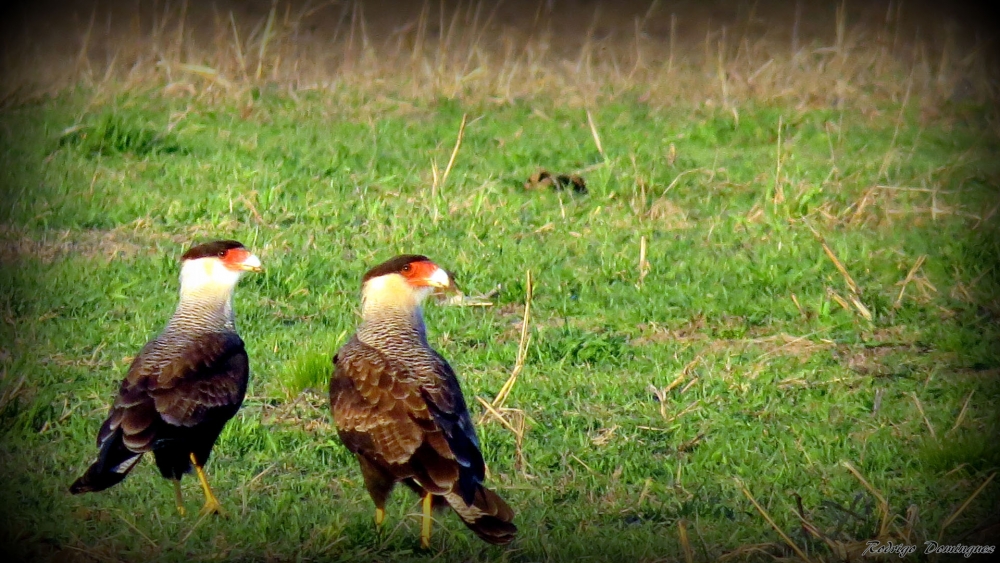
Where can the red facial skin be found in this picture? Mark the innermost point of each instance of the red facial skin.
(418, 273)
(234, 258)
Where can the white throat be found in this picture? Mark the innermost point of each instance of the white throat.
(391, 292)
(207, 273)
(207, 291)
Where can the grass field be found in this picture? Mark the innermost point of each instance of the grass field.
(769, 328)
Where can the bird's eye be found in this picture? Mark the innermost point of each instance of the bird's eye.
(406, 268)
(221, 253)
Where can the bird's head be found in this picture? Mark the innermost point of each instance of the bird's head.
(216, 265)
(404, 282)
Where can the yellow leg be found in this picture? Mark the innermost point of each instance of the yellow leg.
(212, 505)
(178, 498)
(379, 516)
(425, 524)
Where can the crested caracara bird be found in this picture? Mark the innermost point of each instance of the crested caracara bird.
(185, 384)
(399, 409)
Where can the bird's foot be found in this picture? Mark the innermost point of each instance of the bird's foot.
(212, 506)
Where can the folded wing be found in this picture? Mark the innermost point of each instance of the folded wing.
(177, 394)
(409, 421)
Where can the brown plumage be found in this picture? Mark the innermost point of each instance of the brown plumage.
(185, 384)
(399, 408)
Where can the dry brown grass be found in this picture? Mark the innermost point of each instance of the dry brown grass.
(116, 243)
(125, 241)
(760, 338)
(577, 51)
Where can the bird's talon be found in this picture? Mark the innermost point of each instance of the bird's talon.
(212, 507)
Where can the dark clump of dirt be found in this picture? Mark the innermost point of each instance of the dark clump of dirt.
(544, 179)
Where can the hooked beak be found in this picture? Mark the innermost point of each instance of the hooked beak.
(442, 281)
(251, 264)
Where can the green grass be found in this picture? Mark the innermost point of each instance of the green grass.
(100, 200)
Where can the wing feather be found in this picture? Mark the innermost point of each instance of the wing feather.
(177, 386)
(409, 417)
(369, 397)
(447, 405)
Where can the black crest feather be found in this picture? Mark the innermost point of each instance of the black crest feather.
(393, 266)
(208, 249)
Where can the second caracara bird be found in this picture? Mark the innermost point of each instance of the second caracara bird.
(399, 408)
(185, 384)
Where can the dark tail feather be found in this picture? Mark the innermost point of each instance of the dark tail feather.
(488, 516)
(114, 462)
